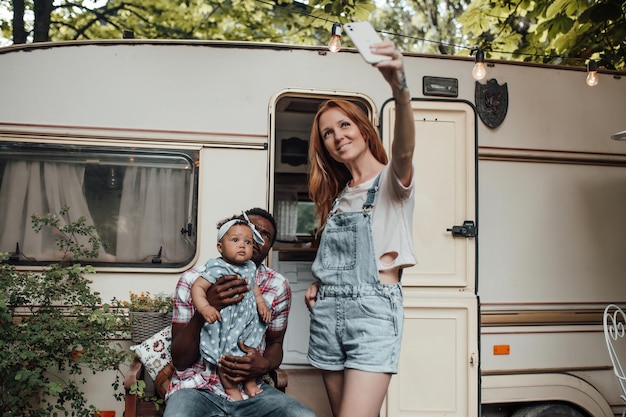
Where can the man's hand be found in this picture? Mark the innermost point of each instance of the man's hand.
(227, 290)
(240, 368)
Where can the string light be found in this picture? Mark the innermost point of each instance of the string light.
(543, 57)
(479, 71)
(335, 39)
(592, 73)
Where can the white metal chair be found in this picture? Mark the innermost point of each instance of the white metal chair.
(614, 323)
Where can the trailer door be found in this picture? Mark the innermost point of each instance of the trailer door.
(439, 371)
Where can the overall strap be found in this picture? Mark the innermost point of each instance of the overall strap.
(333, 210)
(371, 195)
(369, 201)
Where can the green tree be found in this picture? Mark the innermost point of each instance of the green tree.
(566, 32)
(283, 21)
(190, 19)
(425, 26)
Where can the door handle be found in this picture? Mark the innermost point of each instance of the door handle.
(467, 230)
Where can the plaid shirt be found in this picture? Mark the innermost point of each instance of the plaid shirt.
(277, 294)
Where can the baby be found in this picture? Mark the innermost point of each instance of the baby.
(222, 331)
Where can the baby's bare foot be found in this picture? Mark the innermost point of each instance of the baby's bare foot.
(252, 389)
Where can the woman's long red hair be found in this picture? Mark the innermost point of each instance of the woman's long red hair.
(328, 177)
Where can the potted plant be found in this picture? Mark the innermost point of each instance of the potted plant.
(148, 314)
(53, 328)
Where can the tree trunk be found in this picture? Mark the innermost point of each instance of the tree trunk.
(42, 10)
(19, 33)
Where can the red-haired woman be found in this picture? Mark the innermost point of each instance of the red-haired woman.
(366, 203)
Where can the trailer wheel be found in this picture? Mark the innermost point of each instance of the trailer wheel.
(548, 410)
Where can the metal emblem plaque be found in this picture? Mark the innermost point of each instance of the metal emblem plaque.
(492, 102)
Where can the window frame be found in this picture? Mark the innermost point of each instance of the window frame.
(112, 153)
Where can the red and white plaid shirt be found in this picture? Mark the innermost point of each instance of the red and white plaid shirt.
(277, 294)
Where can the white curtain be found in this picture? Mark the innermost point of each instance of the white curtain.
(153, 210)
(32, 187)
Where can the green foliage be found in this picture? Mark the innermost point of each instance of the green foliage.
(426, 26)
(52, 329)
(139, 389)
(68, 235)
(281, 21)
(566, 32)
(306, 218)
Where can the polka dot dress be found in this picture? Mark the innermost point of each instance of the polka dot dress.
(239, 321)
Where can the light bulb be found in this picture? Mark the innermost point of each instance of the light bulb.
(335, 43)
(335, 39)
(592, 73)
(592, 79)
(479, 71)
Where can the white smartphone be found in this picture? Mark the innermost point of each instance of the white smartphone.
(362, 35)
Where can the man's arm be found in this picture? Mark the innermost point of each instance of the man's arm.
(274, 349)
(185, 347)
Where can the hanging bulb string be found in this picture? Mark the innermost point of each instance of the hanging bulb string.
(478, 72)
(442, 43)
(415, 38)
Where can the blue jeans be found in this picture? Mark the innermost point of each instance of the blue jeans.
(203, 403)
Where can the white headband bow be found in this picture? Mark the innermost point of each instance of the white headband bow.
(226, 226)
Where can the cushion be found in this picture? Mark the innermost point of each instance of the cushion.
(154, 352)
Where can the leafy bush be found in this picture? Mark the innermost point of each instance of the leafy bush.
(52, 329)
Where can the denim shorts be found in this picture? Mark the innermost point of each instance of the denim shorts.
(357, 327)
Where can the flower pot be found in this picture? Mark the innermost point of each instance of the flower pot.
(144, 324)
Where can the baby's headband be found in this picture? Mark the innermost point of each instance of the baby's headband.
(226, 226)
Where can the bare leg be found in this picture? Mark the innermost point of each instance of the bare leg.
(251, 387)
(363, 393)
(333, 380)
(356, 393)
(230, 388)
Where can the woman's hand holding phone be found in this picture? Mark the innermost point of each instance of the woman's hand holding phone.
(363, 36)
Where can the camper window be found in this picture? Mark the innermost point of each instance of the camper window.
(141, 201)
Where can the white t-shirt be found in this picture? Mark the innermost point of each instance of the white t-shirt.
(392, 216)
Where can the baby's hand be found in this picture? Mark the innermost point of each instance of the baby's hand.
(210, 314)
(264, 312)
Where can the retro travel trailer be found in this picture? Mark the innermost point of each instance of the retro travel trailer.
(519, 221)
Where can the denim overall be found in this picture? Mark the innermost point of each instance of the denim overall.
(356, 321)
